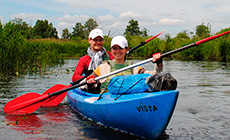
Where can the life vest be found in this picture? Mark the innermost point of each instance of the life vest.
(111, 66)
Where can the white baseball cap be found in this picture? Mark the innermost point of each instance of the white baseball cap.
(120, 41)
(95, 33)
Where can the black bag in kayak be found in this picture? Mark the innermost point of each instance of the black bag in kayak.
(161, 81)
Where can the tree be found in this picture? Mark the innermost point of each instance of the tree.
(202, 30)
(144, 32)
(90, 24)
(133, 28)
(78, 31)
(182, 35)
(168, 43)
(1, 26)
(66, 34)
(43, 29)
(21, 27)
(52, 31)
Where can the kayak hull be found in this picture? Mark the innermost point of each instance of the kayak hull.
(143, 114)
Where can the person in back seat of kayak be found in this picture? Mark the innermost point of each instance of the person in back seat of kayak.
(96, 54)
(119, 49)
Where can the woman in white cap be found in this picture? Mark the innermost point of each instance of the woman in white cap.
(96, 54)
(119, 48)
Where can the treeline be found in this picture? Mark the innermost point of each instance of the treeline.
(30, 49)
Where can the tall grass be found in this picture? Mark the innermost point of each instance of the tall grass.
(12, 46)
(19, 55)
(215, 50)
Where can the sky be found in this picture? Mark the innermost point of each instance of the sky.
(171, 16)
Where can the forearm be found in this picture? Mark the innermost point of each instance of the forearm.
(158, 68)
(76, 77)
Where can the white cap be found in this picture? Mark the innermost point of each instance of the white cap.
(120, 41)
(95, 33)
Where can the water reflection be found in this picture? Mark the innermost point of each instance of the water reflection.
(62, 123)
(29, 124)
(37, 122)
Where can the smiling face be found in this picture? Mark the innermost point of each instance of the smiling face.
(96, 43)
(119, 53)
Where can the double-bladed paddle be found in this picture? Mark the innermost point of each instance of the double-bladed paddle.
(30, 102)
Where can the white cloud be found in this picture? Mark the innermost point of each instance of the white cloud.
(174, 16)
(63, 25)
(74, 19)
(30, 16)
(107, 18)
(129, 14)
(224, 8)
(75, 3)
(116, 24)
(167, 21)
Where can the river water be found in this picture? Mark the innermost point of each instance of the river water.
(202, 110)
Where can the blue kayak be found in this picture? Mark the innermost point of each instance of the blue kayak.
(143, 114)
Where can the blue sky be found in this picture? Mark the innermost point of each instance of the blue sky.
(172, 16)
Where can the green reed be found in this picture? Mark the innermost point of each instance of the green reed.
(20, 55)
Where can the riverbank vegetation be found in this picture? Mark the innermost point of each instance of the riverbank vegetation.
(30, 49)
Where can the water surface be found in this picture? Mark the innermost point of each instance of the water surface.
(202, 110)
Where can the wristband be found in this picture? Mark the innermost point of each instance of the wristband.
(158, 61)
(89, 77)
(156, 54)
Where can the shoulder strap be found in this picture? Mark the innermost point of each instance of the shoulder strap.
(110, 55)
(106, 56)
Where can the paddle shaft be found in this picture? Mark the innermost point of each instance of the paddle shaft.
(144, 62)
(143, 43)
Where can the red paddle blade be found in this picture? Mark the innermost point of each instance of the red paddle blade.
(24, 104)
(57, 99)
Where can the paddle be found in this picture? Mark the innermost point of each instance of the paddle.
(30, 102)
(54, 101)
(143, 43)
